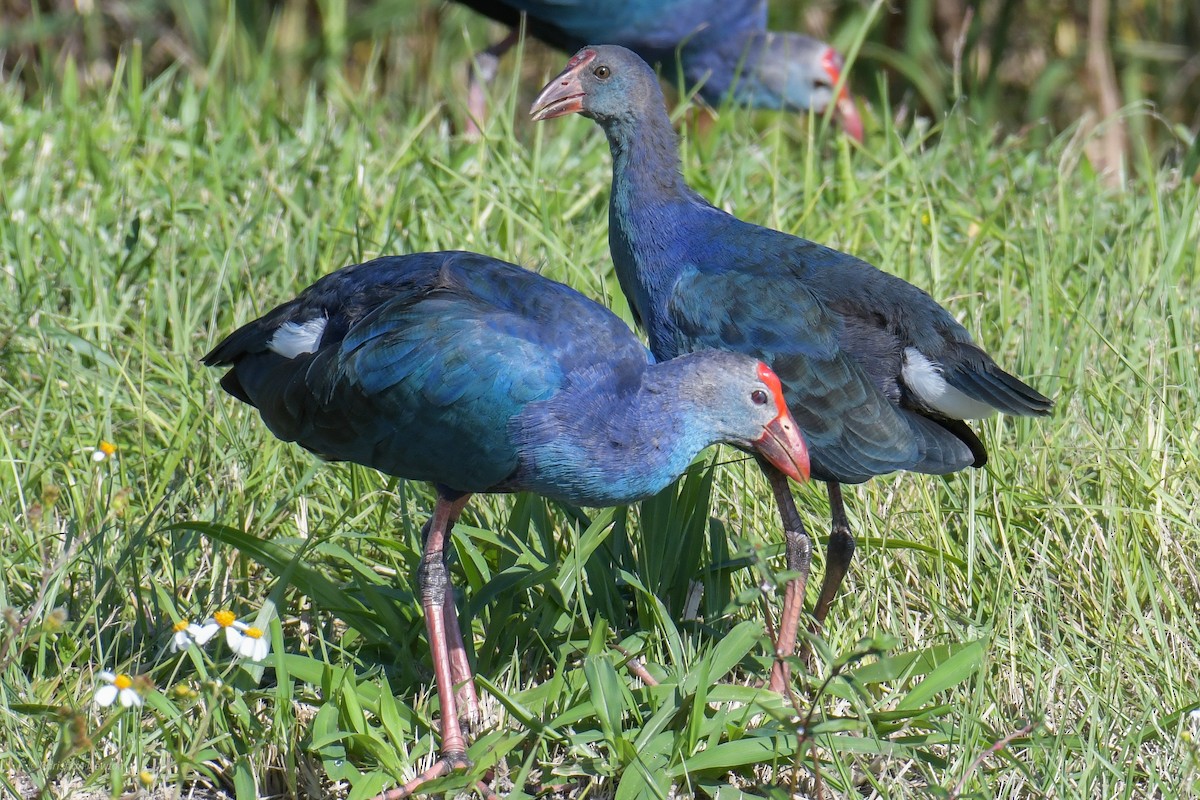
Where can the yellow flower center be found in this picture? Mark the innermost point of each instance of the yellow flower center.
(182, 625)
(123, 681)
(224, 618)
(253, 633)
(108, 448)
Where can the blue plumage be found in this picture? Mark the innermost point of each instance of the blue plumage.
(879, 376)
(403, 351)
(721, 47)
(481, 376)
(840, 332)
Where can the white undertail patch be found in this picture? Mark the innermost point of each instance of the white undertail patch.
(924, 378)
(296, 338)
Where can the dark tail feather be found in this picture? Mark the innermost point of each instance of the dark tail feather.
(231, 384)
(1005, 392)
(968, 437)
(250, 338)
(945, 446)
(942, 447)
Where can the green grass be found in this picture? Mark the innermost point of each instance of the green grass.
(1059, 585)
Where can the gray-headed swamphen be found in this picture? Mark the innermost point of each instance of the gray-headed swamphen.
(879, 376)
(721, 46)
(480, 376)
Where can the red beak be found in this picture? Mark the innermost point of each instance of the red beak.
(781, 442)
(782, 445)
(563, 95)
(845, 111)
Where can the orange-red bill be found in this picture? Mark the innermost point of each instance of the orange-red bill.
(564, 94)
(845, 110)
(781, 442)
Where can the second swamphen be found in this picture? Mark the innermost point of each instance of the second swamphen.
(481, 376)
(879, 376)
(721, 46)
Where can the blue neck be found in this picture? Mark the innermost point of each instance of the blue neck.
(648, 204)
(610, 444)
(645, 152)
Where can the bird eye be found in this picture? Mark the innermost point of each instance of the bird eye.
(601, 72)
(759, 397)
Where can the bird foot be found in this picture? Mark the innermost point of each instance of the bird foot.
(448, 763)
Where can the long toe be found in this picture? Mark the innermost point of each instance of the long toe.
(448, 763)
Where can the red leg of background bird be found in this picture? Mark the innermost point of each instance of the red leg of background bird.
(703, 119)
(479, 76)
(798, 551)
(635, 666)
(838, 554)
(433, 582)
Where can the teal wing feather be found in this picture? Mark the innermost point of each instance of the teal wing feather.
(852, 430)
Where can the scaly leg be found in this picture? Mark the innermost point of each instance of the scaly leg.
(461, 674)
(837, 555)
(798, 551)
(480, 75)
(433, 583)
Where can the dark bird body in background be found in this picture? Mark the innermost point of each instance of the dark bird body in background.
(879, 376)
(721, 46)
(480, 376)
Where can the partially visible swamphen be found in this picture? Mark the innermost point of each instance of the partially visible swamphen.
(481, 376)
(879, 375)
(721, 46)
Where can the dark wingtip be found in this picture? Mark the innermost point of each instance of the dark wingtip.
(226, 351)
(968, 437)
(231, 384)
(945, 445)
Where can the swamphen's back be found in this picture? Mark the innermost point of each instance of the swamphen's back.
(481, 376)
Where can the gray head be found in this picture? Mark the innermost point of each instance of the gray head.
(734, 398)
(794, 72)
(603, 82)
(768, 70)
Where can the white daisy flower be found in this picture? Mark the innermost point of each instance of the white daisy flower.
(103, 451)
(248, 641)
(187, 633)
(244, 640)
(116, 687)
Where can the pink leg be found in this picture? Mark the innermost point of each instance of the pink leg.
(479, 76)
(433, 582)
(798, 549)
(461, 675)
